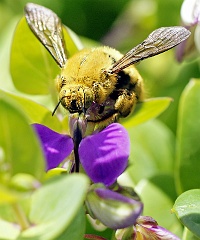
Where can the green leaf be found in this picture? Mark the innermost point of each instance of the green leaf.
(187, 209)
(72, 41)
(8, 231)
(33, 69)
(76, 229)
(188, 134)
(147, 110)
(21, 149)
(188, 235)
(61, 199)
(152, 150)
(163, 181)
(35, 112)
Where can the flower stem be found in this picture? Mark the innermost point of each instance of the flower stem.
(21, 217)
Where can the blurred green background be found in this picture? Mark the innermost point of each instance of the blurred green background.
(120, 24)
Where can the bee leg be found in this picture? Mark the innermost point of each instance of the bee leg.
(99, 92)
(125, 103)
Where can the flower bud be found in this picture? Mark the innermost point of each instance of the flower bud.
(112, 209)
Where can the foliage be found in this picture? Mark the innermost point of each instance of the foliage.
(163, 164)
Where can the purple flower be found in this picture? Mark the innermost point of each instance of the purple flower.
(103, 155)
(146, 228)
(190, 15)
(150, 229)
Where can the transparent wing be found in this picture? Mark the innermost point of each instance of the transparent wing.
(47, 27)
(160, 40)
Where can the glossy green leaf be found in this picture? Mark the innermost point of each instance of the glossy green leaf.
(8, 231)
(187, 209)
(158, 205)
(61, 199)
(147, 110)
(188, 134)
(21, 149)
(35, 112)
(33, 69)
(152, 150)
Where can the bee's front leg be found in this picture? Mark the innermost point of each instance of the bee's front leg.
(125, 102)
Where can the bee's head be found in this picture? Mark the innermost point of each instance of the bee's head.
(76, 98)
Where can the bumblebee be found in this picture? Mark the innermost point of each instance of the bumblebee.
(100, 83)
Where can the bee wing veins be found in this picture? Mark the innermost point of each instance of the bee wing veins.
(159, 41)
(47, 27)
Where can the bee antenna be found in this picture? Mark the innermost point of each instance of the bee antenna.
(57, 106)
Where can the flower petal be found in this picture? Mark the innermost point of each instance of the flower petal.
(156, 233)
(149, 229)
(56, 146)
(190, 12)
(104, 155)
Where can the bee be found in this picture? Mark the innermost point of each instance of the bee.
(100, 83)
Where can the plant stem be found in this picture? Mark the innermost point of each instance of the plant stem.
(21, 217)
